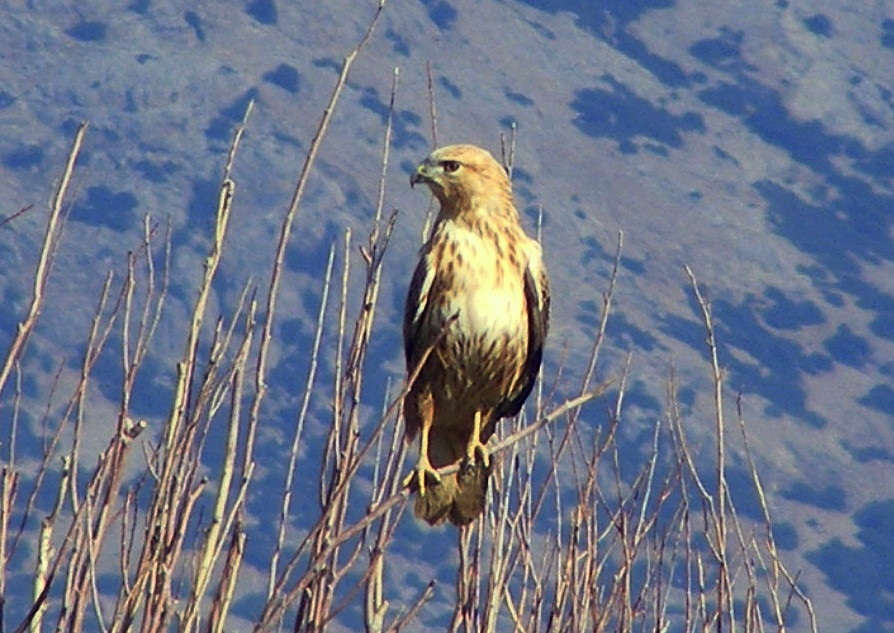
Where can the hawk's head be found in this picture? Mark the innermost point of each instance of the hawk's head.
(461, 176)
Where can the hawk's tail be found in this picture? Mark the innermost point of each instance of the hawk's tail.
(460, 497)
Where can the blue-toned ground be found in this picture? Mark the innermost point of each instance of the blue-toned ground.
(753, 142)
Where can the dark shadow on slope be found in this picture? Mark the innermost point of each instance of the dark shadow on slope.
(864, 454)
(398, 43)
(13, 299)
(222, 126)
(838, 237)
(600, 16)
(786, 537)
(88, 31)
(780, 362)
(101, 206)
(819, 24)
(194, 20)
(827, 498)
(841, 235)
(264, 11)
(887, 38)
(157, 171)
(200, 211)
(24, 157)
(767, 364)
(786, 313)
(722, 52)
(614, 111)
(847, 348)
(626, 335)
(843, 223)
(454, 90)
(880, 398)
(6, 99)
(284, 76)
(608, 21)
(863, 572)
(405, 122)
(441, 12)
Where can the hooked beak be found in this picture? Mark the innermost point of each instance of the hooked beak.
(419, 176)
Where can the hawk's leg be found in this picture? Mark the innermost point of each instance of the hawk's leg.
(423, 466)
(475, 449)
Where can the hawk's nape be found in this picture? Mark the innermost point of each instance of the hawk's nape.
(479, 301)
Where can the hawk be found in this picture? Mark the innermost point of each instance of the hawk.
(477, 315)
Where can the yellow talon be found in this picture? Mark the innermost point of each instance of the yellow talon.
(420, 473)
(423, 466)
(475, 449)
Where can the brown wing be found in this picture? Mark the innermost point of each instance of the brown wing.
(415, 339)
(537, 299)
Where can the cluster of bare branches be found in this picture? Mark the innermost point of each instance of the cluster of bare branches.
(568, 543)
(579, 547)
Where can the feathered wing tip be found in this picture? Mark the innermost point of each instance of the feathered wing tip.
(459, 498)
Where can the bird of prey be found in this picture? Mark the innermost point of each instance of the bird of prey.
(476, 317)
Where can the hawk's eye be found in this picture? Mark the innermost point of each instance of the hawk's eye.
(450, 166)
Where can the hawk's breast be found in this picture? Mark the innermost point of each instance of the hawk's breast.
(480, 281)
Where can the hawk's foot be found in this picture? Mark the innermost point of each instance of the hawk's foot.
(476, 452)
(418, 475)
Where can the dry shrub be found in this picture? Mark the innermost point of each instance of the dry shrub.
(569, 542)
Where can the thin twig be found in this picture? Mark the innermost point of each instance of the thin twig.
(44, 263)
(724, 592)
(15, 215)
